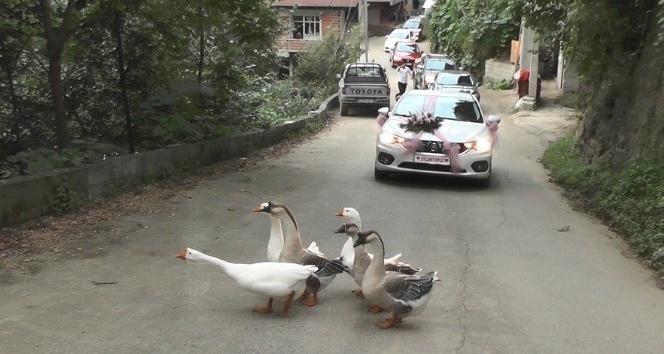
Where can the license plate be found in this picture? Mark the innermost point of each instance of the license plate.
(434, 160)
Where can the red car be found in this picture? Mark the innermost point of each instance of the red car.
(405, 52)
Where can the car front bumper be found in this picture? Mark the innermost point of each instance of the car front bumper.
(394, 158)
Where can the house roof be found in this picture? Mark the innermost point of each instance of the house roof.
(315, 3)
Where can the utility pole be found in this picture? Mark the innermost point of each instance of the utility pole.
(365, 22)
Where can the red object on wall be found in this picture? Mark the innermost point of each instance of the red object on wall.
(523, 81)
(522, 77)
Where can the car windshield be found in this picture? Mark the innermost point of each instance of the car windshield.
(464, 109)
(399, 34)
(364, 71)
(412, 24)
(439, 65)
(454, 79)
(407, 48)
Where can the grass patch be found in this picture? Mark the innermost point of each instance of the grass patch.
(629, 201)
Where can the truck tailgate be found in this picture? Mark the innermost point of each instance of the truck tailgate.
(366, 91)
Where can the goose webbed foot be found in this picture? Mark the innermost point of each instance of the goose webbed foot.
(388, 322)
(313, 301)
(375, 309)
(266, 309)
(304, 295)
(287, 304)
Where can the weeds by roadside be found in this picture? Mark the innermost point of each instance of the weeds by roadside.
(630, 202)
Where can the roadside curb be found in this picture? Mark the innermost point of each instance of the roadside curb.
(29, 197)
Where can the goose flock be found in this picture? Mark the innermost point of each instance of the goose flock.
(291, 270)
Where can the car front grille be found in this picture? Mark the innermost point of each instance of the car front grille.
(436, 147)
(428, 167)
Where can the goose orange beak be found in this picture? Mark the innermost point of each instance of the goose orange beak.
(257, 209)
(340, 212)
(182, 254)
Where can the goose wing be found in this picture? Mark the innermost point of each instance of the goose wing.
(393, 259)
(404, 288)
(402, 268)
(313, 247)
(326, 267)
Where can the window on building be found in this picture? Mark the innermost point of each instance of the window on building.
(306, 27)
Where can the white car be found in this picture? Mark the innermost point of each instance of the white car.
(461, 144)
(415, 24)
(398, 35)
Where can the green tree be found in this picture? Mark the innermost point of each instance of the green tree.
(322, 61)
(140, 73)
(56, 37)
(472, 31)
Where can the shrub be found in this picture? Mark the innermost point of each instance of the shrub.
(630, 201)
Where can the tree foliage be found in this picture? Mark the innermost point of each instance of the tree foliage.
(472, 31)
(320, 64)
(107, 68)
(85, 75)
(598, 35)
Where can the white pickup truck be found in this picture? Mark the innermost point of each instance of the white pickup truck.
(363, 84)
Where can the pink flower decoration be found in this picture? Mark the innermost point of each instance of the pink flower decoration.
(493, 130)
(381, 119)
(411, 145)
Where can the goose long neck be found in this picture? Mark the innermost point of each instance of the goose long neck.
(378, 261)
(276, 241)
(360, 249)
(214, 261)
(290, 231)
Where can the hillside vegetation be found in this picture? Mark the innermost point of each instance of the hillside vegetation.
(613, 165)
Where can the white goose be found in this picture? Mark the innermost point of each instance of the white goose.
(292, 251)
(348, 252)
(403, 295)
(276, 280)
(276, 241)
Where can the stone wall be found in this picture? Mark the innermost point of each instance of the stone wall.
(495, 70)
(29, 197)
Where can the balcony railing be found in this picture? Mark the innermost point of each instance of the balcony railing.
(296, 45)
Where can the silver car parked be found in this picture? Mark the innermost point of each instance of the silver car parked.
(457, 80)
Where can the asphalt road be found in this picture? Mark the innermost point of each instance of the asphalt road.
(511, 281)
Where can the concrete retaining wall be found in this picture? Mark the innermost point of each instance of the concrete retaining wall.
(495, 71)
(26, 198)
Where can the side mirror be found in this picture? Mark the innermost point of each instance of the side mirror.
(493, 119)
(338, 76)
(384, 110)
(478, 84)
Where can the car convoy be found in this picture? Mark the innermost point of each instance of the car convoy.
(436, 128)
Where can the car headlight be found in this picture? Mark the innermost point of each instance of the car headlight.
(389, 138)
(396, 58)
(480, 145)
